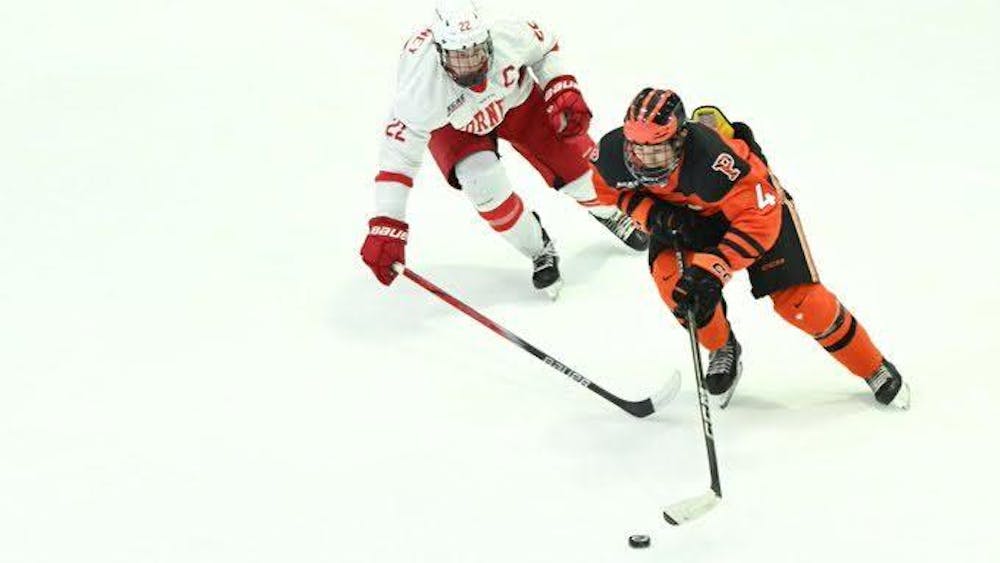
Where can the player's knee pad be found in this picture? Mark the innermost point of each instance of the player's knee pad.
(486, 185)
(810, 307)
(483, 180)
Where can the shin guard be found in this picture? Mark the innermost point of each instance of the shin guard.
(817, 312)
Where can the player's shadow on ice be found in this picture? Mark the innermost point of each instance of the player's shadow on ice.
(580, 267)
(834, 404)
(484, 286)
(364, 307)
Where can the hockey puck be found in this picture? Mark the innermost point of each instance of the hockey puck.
(638, 541)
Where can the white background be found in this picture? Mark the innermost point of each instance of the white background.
(195, 366)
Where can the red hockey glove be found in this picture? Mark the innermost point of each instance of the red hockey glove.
(700, 288)
(568, 113)
(585, 147)
(386, 243)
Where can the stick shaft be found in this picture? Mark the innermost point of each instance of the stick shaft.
(635, 408)
(699, 373)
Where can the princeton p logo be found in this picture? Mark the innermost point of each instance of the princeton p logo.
(727, 165)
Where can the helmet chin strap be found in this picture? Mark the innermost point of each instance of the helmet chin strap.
(476, 82)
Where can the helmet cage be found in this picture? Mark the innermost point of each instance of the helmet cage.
(467, 66)
(651, 164)
(654, 129)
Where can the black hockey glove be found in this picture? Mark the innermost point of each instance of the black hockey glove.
(700, 287)
(679, 226)
(697, 291)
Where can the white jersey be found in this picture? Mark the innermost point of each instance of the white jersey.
(427, 99)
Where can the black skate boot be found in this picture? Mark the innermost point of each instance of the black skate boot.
(889, 387)
(623, 227)
(724, 370)
(546, 276)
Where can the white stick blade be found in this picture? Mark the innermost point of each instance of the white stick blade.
(689, 509)
(669, 391)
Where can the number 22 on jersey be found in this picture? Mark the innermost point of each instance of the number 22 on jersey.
(395, 130)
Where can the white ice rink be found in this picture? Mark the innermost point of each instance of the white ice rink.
(196, 367)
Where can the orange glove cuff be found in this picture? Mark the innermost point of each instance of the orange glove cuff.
(713, 264)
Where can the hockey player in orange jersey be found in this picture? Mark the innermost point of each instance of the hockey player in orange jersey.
(704, 186)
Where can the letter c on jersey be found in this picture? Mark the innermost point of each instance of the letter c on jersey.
(508, 79)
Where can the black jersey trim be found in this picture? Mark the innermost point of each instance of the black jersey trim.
(717, 252)
(703, 147)
(621, 196)
(749, 240)
(739, 249)
(635, 202)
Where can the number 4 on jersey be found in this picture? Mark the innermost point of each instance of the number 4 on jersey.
(763, 200)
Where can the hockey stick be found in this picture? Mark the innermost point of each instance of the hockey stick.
(688, 509)
(639, 409)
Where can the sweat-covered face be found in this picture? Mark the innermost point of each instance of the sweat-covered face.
(468, 66)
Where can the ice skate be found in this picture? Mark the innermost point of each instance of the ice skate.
(623, 227)
(724, 369)
(546, 275)
(889, 387)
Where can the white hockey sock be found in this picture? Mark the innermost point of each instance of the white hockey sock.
(582, 190)
(516, 225)
(486, 185)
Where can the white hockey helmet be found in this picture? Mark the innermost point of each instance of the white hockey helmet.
(463, 41)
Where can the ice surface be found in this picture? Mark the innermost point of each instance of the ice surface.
(196, 367)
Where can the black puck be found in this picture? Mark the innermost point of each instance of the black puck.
(638, 541)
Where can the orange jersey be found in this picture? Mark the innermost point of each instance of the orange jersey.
(716, 175)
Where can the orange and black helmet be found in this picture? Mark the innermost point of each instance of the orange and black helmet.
(654, 117)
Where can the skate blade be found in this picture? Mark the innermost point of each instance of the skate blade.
(722, 400)
(553, 290)
(902, 399)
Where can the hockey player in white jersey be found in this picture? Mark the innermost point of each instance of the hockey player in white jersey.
(462, 84)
